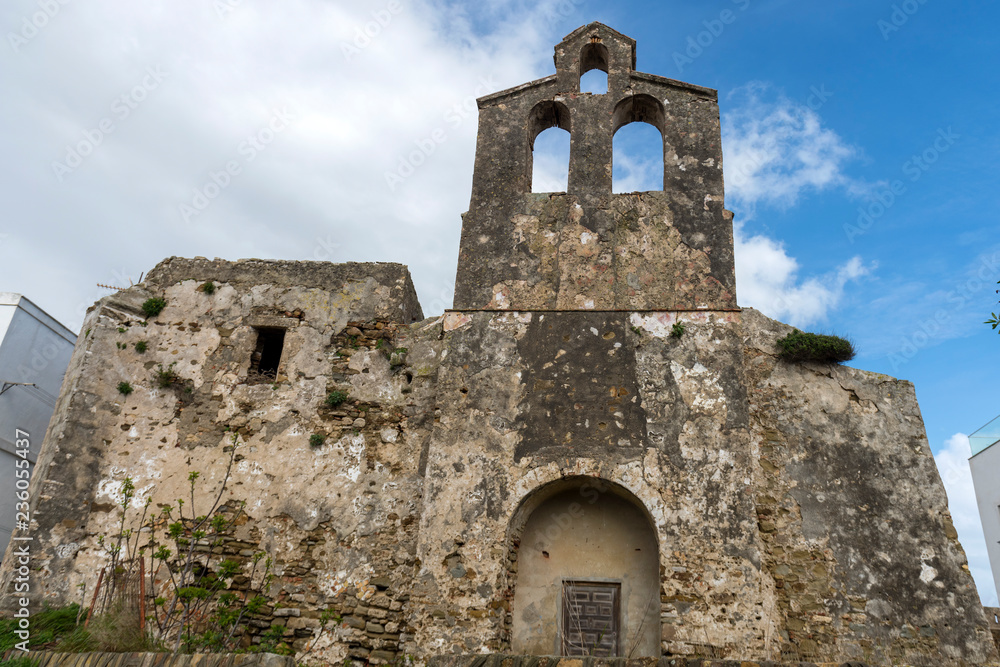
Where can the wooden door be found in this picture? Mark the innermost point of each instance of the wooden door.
(591, 619)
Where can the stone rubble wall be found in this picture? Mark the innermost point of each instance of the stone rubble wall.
(339, 519)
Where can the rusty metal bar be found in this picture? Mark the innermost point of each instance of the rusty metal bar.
(93, 600)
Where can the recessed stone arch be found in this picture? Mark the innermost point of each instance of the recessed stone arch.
(639, 109)
(594, 56)
(583, 572)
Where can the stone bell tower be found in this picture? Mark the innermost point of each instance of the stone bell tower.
(589, 249)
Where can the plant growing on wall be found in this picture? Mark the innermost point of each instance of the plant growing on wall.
(153, 306)
(799, 346)
(124, 388)
(335, 398)
(166, 376)
(195, 609)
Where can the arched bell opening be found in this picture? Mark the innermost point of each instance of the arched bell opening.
(594, 68)
(638, 151)
(549, 147)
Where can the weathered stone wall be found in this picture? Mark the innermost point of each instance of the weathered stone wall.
(339, 519)
(993, 620)
(536, 398)
(802, 521)
(853, 515)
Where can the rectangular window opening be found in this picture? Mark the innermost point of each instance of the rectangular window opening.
(591, 619)
(267, 354)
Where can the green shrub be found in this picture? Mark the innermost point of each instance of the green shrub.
(124, 388)
(335, 398)
(154, 306)
(316, 440)
(677, 330)
(141, 346)
(799, 346)
(166, 376)
(208, 287)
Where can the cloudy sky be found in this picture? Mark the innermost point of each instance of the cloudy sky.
(860, 143)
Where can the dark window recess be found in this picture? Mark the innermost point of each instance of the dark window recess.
(267, 354)
(591, 619)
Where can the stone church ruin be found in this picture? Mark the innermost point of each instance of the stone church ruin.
(550, 468)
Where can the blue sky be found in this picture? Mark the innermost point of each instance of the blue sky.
(825, 107)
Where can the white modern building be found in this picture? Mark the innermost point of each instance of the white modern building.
(985, 464)
(34, 352)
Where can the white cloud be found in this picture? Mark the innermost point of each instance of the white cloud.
(776, 150)
(400, 98)
(767, 279)
(374, 94)
(953, 465)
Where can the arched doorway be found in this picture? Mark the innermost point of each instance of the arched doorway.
(587, 575)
